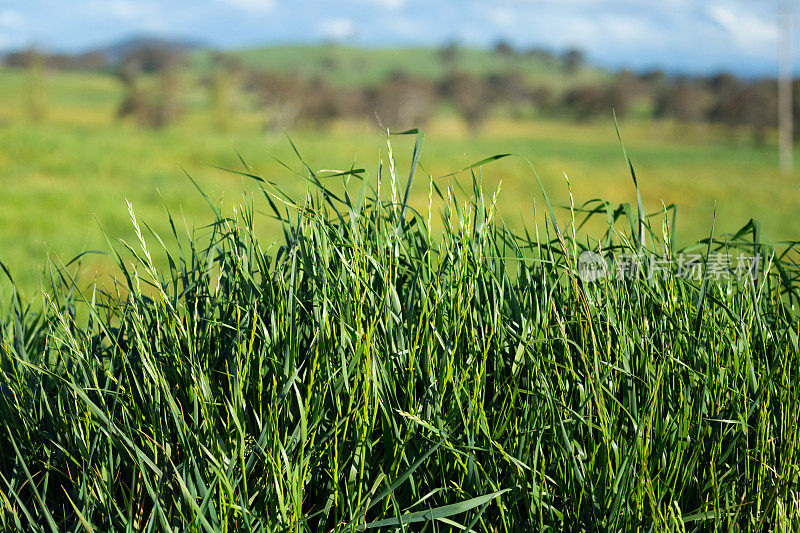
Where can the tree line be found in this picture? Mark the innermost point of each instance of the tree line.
(151, 77)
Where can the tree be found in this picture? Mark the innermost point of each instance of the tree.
(134, 102)
(157, 105)
(402, 101)
(543, 98)
(321, 103)
(684, 101)
(761, 108)
(35, 63)
(590, 101)
(573, 60)
(502, 48)
(470, 97)
(279, 96)
(745, 104)
(448, 54)
(653, 77)
(37, 98)
(225, 78)
(510, 90)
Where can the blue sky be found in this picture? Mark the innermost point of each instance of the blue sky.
(678, 35)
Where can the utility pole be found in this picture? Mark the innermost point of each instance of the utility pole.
(785, 126)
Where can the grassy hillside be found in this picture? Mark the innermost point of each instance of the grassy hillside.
(349, 66)
(63, 175)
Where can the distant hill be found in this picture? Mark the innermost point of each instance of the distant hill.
(114, 52)
(356, 67)
(349, 66)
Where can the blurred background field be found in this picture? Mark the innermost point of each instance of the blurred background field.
(79, 134)
(326, 374)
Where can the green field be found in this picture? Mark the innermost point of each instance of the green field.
(68, 175)
(367, 363)
(372, 373)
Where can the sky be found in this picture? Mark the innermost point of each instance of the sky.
(688, 36)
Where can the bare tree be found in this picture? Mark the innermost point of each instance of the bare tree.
(470, 97)
(157, 105)
(35, 65)
(573, 60)
(752, 105)
(590, 101)
(223, 82)
(402, 101)
(449, 53)
(279, 96)
(684, 101)
(503, 48)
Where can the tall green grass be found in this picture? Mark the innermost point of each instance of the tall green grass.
(369, 372)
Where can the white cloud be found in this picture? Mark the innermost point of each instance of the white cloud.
(252, 6)
(501, 16)
(338, 28)
(124, 10)
(146, 16)
(127, 9)
(11, 19)
(746, 29)
(387, 4)
(630, 31)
